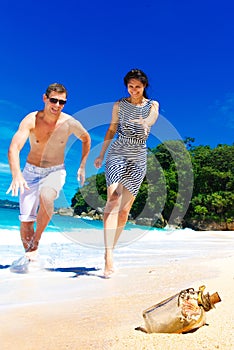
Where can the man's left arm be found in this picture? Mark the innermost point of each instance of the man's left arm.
(86, 144)
(82, 134)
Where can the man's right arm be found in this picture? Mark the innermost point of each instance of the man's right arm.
(17, 143)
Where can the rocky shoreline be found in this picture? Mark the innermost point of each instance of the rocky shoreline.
(157, 221)
(201, 225)
(8, 204)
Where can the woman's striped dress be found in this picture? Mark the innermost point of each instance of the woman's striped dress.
(126, 159)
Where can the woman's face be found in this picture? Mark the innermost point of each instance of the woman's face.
(135, 88)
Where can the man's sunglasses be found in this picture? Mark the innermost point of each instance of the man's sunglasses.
(56, 100)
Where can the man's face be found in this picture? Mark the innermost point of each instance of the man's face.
(55, 102)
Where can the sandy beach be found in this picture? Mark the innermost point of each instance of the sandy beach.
(78, 309)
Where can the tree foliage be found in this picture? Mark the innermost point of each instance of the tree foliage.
(182, 181)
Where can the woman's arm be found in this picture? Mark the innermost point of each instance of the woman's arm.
(153, 116)
(151, 119)
(109, 135)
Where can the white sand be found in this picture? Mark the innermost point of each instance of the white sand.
(59, 311)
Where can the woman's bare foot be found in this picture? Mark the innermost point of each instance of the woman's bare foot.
(109, 269)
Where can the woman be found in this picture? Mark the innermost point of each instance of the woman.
(125, 168)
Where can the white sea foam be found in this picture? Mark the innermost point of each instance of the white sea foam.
(62, 258)
(86, 246)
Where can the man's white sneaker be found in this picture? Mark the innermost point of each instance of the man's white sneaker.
(20, 265)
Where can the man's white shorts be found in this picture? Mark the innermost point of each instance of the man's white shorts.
(37, 178)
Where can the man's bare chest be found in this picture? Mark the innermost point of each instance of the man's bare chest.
(54, 134)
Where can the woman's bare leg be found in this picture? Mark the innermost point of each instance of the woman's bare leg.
(110, 221)
(118, 205)
(127, 200)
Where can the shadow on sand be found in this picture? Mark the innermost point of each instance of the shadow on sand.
(78, 271)
(4, 267)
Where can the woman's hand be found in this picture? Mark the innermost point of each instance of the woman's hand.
(142, 122)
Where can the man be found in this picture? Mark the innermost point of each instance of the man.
(44, 174)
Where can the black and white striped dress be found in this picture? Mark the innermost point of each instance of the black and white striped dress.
(126, 159)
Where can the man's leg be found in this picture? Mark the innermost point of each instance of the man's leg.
(44, 215)
(27, 234)
(49, 189)
(29, 201)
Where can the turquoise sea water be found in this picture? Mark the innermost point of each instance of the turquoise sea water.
(78, 242)
(9, 220)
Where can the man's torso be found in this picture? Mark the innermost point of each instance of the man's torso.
(48, 141)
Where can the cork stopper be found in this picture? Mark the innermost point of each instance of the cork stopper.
(214, 298)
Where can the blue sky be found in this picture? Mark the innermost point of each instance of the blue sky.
(186, 49)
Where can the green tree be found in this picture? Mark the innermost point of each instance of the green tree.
(90, 196)
(181, 181)
(213, 183)
(176, 163)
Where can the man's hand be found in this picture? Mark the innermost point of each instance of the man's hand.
(98, 162)
(81, 175)
(17, 184)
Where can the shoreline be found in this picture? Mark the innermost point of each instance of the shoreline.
(88, 312)
(195, 225)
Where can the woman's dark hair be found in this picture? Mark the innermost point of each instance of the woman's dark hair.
(57, 88)
(139, 75)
